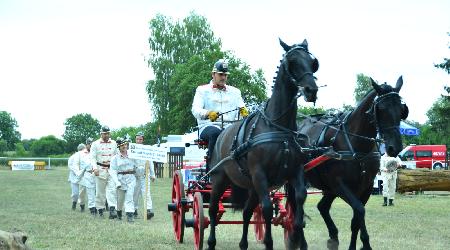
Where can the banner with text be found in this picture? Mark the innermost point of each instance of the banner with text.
(147, 152)
(22, 165)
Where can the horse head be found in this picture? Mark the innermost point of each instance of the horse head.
(388, 110)
(299, 65)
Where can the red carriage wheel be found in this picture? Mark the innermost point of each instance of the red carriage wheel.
(288, 224)
(260, 226)
(199, 221)
(178, 213)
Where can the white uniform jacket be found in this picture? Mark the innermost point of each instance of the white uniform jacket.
(207, 98)
(101, 152)
(74, 168)
(120, 163)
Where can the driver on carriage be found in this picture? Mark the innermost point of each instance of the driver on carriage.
(216, 105)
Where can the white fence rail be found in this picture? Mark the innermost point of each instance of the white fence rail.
(48, 160)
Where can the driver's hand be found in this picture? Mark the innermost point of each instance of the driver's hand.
(212, 115)
(243, 112)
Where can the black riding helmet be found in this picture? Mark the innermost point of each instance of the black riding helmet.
(221, 67)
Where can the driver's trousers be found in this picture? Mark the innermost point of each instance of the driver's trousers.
(210, 134)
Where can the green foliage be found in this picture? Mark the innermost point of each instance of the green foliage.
(48, 145)
(439, 119)
(20, 150)
(438, 114)
(78, 128)
(363, 86)
(171, 44)
(3, 146)
(130, 131)
(8, 132)
(182, 57)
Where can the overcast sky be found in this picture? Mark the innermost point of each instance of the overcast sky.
(59, 58)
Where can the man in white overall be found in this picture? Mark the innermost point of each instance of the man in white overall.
(388, 168)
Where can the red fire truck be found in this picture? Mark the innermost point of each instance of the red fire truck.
(424, 156)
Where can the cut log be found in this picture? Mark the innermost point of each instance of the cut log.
(423, 180)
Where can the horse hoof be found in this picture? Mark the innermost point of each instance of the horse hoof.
(333, 244)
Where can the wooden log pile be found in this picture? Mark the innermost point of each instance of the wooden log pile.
(423, 180)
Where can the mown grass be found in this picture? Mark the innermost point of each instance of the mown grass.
(39, 203)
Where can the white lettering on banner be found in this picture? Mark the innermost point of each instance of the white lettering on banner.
(22, 165)
(147, 152)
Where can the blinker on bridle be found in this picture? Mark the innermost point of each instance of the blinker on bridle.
(296, 82)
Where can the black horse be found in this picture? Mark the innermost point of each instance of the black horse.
(262, 152)
(353, 136)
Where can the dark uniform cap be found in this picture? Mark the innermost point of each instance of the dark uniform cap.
(105, 129)
(221, 67)
(121, 141)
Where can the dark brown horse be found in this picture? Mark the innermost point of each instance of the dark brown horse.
(353, 136)
(262, 152)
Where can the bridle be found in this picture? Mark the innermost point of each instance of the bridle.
(373, 111)
(292, 79)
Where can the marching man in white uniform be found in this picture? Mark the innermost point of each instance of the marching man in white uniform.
(139, 191)
(75, 176)
(102, 150)
(83, 160)
(215, 103)
(388, 168)
(123, 170)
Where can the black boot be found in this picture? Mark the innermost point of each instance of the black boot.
(74, 205)
(112, 212)
(119, 215)
(385, 201)
(130, 217)
(93, 211)
(106, 205)
(82, 208)
(135, 214)
(391, 202)
(150, 214)
(100, 212)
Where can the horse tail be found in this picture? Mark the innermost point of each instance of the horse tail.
(239, 197)
(290, 195)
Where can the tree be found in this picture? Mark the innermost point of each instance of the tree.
(363, 86)
(48, 145)
(78, 128)
(172, 44)
(8, 132)
(182, 57)
(438, 114)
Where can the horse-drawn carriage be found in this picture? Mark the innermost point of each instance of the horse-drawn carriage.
(191, 190)
(266, 151)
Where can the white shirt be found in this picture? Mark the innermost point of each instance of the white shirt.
(122, 163)
(78, 162)
(208, 98)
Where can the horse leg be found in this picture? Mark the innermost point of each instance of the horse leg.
(298, 236)
(324, 206)
(364, 234)
(358, 216)
(259, 181)
(252, 202)
(218, 188)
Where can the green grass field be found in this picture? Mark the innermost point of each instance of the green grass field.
(39, 203)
